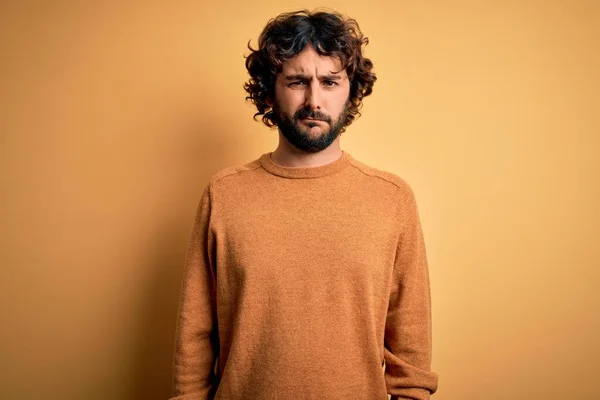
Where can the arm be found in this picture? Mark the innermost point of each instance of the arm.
(408, 325)
(196, 342)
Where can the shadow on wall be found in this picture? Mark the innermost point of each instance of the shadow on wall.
(153, 354)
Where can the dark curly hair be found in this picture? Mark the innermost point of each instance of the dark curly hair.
(288, 34)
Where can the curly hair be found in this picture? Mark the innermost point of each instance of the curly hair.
(287, 35)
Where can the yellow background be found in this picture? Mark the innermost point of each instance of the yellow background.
(113, 115)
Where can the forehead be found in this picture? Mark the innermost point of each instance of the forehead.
(308, 61)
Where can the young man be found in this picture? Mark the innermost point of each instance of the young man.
(306, 275)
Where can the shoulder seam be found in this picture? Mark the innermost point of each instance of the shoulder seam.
(227, 172)
(379, 176)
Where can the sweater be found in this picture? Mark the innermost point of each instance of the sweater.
(305, 283)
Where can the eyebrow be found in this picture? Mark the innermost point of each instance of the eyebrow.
(329, 77)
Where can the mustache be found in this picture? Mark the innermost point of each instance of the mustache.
(312, 114)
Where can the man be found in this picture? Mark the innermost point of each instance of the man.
(306, 275)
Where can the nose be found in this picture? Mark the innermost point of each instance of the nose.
(313, 97)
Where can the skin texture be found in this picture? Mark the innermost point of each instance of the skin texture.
(311, 100)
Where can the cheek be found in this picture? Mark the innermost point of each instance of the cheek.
(289, 100)
(338, 103)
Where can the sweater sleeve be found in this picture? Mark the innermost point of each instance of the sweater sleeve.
(196, 342)
(407, 349)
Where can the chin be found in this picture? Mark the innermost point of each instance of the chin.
(315, 134)
(310, 129)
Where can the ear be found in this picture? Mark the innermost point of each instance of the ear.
(269, 102)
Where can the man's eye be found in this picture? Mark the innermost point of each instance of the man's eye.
(297, 83)
(330, 83)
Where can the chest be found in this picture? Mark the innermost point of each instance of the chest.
(307, 235)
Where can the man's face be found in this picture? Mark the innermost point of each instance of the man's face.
(311, 100)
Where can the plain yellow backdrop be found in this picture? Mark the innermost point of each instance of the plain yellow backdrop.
(113, 115)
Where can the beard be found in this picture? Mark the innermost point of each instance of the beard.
(299, 136)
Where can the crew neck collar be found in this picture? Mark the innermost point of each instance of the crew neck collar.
(305, 172)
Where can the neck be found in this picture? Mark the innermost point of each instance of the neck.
(287, 155)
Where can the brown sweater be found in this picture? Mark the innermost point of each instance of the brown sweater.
(305, 283)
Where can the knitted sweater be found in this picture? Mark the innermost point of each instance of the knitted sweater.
(305, 283)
